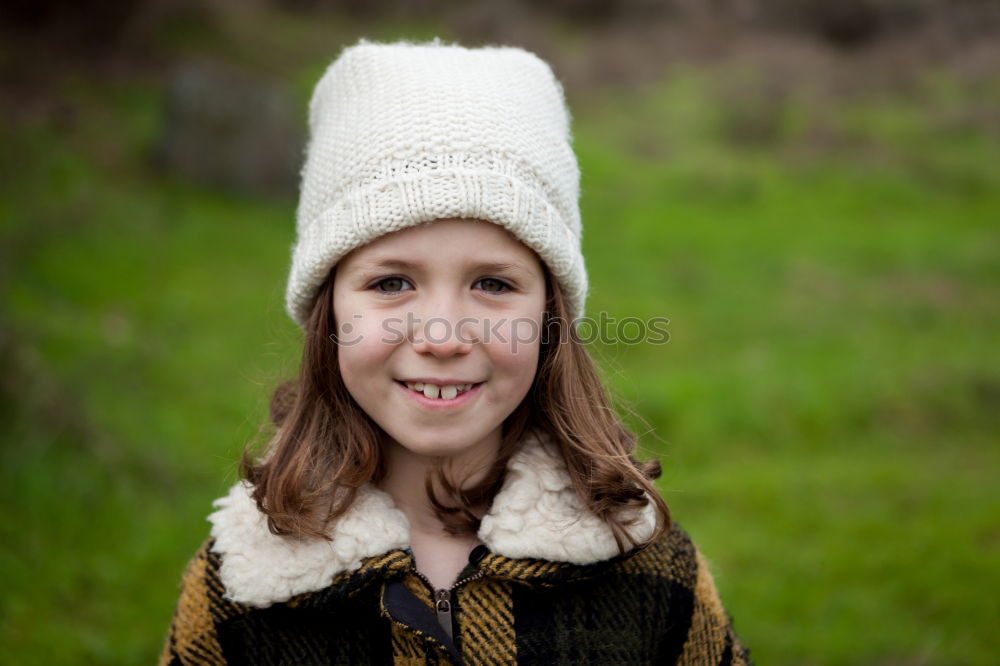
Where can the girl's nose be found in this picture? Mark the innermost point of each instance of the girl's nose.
(444, 336)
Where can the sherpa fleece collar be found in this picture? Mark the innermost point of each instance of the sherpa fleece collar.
(536, 514)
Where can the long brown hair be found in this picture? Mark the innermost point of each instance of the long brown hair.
(324, 447)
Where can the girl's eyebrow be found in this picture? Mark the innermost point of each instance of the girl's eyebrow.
(402, 264)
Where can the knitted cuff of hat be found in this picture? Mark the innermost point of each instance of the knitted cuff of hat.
(406, 133)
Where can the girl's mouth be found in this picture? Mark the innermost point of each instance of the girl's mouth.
(434, 396)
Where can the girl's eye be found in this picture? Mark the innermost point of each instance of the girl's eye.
(396, 285)
(494, 286)
(391, 285)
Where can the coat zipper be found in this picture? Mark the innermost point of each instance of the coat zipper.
(442, 604)
(444, 600)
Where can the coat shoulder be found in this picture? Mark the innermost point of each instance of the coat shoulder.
(672, 557)
(701, 630)
(201, 608)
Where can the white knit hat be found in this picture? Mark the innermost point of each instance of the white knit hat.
(407, 133)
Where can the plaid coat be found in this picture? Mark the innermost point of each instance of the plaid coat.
(547, 587)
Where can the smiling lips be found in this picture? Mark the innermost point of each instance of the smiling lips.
(436, 391)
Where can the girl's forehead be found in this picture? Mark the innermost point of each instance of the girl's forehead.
(449, 238)
(451, 227)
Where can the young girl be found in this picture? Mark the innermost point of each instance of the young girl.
(447, 481)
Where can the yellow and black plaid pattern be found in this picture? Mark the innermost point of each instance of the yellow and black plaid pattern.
(408, 647)
(193, 638)
(656, 605)
(486, 623)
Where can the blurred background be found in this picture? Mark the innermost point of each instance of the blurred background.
(807, 189)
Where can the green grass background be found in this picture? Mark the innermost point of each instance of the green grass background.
(825, 410)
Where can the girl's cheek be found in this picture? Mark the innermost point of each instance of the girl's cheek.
(521, 339)
(515, 351)
(359, 329)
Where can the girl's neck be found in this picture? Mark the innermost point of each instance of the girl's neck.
(406, 474)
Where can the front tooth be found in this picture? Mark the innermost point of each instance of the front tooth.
(449, 392)
(430, 390)
(418, 386)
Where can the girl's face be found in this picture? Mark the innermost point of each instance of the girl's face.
(446, 304)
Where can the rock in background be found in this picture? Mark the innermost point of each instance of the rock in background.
(229, 128)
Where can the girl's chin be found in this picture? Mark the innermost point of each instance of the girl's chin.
(435, 449)
(434, 446)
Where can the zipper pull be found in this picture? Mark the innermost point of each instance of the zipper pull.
(442, 602)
